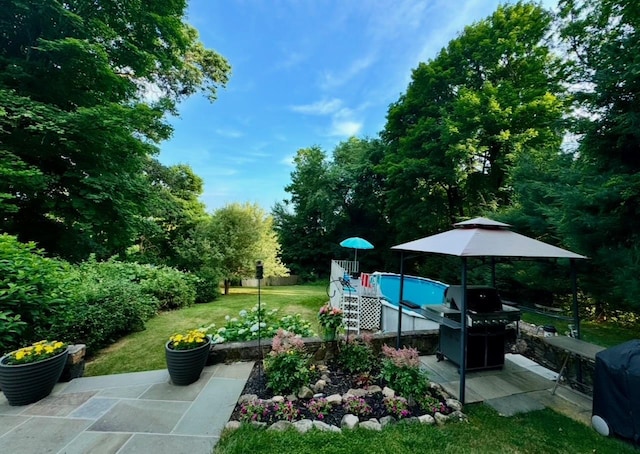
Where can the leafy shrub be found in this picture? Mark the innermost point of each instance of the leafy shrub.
(356, 356)
(245, 326)
(401, 370)
(207, 285)
(172, 289)
(287, 367)
(102, 308)
(31, 290)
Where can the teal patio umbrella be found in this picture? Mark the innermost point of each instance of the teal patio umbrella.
(355, 242)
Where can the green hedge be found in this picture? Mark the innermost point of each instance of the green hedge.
(94, 303)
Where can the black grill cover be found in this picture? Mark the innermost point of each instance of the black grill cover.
(616, 389)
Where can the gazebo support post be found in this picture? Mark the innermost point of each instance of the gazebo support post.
(463, 331)
(493, 272)
(400, 299)
(574, 289)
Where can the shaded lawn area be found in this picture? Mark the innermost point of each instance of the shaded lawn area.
(543, 431)
(145, 350)
(606, 334)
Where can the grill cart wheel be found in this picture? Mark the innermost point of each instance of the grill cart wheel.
(600, 425)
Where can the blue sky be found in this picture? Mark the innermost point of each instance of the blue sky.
(304, 73)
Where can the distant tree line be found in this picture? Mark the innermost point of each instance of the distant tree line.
(525, 117)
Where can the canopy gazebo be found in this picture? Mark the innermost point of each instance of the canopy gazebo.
(482, 237)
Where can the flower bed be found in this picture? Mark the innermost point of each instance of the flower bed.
(334, 391)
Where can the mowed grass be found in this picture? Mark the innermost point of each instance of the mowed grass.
(543, 431)
(144, 350)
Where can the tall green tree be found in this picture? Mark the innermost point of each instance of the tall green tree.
(491, 96)
(242, 235)
(600, 194)
(306, 222)
(77, 124)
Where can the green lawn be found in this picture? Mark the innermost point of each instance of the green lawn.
(543, 431)
(145, 350)
(599, 333)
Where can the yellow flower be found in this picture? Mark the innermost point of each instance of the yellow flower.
(19, 354)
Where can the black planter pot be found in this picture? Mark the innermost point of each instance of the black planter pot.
(185, 366)
(24, 384)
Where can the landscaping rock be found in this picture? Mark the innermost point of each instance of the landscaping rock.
(259, 424)
(324, 427)
(319, 386)
(280, 426)
(277, 399)
(373, 389)
(233, 425)
(247, 398)
(386, 420)
(440, 418)
(326, 378)
(458, 416)
(453, 404)
(427, 419)
(388, 392)
(356, 392)
(372, 424)
(292, 398)
(305, 393)
(303, 426)
(349, 421)
(334, 399)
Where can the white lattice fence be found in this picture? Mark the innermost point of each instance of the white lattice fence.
(370, 311)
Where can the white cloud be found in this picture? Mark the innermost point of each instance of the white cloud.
(331, 80)
(288, 160)
(322, 107)
(345, 128)
(230, 133)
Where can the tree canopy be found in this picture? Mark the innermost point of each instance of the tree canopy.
(83, 93)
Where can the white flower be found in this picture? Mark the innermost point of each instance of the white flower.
(254, 327)
(243, 313)
(227, 318)
(222, 330)
(234, 320)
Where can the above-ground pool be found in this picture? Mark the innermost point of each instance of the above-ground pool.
(418, 290)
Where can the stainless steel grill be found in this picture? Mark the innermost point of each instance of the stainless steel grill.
(486, 319)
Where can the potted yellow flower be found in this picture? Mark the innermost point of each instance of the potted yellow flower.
(186, 355)
(30, 373)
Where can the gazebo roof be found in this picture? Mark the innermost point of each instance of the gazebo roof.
(482, 237)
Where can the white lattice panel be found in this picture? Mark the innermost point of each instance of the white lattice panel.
(370, 310)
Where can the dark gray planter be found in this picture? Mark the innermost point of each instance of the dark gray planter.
(24, 384)
(185, 366)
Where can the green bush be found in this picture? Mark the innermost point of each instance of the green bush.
(401, 370)
(172, 288)
(356, 356)
(245, 326)
(103, 306)
(288, 367)
(31, 290)
(111, 299)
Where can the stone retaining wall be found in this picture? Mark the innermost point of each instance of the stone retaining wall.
(426, 342)
(579, 373)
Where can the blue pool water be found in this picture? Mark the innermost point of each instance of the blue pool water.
(418, 290)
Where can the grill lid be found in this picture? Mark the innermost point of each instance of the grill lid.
(480, 299)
